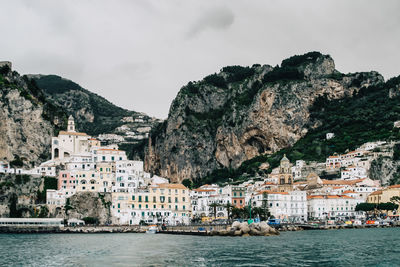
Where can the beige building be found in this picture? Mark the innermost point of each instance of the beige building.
(384, 195)
(160, 203)
(86, 180)
(106, 173)
(284, 177)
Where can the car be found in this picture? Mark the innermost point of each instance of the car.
(274, 221)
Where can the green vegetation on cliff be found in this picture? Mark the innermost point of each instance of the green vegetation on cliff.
(366, 116)
(93, 113)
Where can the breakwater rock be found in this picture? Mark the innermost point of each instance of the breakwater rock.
(245, 229)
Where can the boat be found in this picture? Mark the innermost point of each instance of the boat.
(153, 229)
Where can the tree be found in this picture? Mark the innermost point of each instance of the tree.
(228, 206)
(214, 205)
(395, 199)
(387, 206)
(365, 207)
(188, 183)
(44, 211)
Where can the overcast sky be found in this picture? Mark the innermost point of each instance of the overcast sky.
(138, 54)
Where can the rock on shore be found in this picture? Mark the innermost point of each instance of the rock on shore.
(245, 229)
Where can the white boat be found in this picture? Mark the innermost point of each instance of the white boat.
(152, 229)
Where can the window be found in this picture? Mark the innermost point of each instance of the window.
(103, 158)
(169, 199)
(112, 158)
(140, 206)
(146, 199)
(147, 206)
(140, 198)
(176, 200)
(119, 205)
(154, 199)
(183, 199)
(154, 206)
(133, 206)
(176, 207)
(183, 207)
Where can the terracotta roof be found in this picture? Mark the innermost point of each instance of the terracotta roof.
(203, 190)
(378, 192)
(317, 196)
(171, 186)
(71, 133)
(395, 186)
(348, 192)
(268, 183)
(333, 157)
(342, 182)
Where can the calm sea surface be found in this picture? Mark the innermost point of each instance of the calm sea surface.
(357, 247)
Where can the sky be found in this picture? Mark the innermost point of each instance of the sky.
(139, 53)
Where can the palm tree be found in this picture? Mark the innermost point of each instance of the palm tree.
(214, 205)
(228, 208)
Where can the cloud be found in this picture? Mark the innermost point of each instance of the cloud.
(219, 18)
(139, 53)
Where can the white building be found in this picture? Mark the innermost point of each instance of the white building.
(129, 176)
(203, 199)
(69, 142)
(4, 167)
(55, 197)
(329, 136)
(324, 207)
(288, 206)
(353, 172)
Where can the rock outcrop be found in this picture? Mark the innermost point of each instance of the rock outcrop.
(240, 113)
(245, 229)
(27, 119)
(19, 195)
(89, 204)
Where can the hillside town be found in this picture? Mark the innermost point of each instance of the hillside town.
(290, 193)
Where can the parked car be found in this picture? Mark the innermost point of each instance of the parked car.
(274, 221)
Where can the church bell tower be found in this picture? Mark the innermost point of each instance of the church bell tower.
(71, 124)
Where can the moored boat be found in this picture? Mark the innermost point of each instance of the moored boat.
(152, 229)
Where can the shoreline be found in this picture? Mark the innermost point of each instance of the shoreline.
(137, 229)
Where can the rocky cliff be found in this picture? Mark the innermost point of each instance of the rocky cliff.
(88, 204)
(24, 195)
(27, 119)
(243, 112)
(386, 166)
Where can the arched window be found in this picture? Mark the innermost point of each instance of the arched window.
(56, 153)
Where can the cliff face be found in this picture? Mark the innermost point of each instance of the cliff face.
(27, 119)
(241, 113)
(89, 204)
